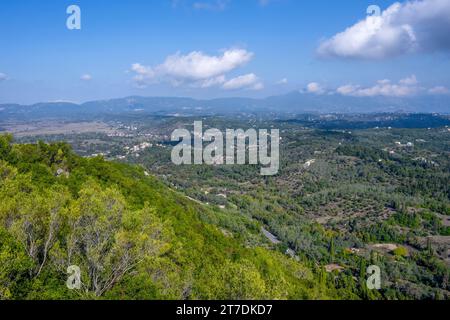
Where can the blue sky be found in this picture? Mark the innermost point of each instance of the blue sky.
(221, 48)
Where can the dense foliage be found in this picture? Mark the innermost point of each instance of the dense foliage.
(350, 194)
(131, 236)
(380, 196)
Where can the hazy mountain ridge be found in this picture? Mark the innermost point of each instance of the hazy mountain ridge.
(294, 102)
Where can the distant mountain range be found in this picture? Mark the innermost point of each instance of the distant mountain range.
(291, 103)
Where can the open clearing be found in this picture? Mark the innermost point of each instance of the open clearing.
(55, 127)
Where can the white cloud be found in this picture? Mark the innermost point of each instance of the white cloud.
(404, 88)
(347, 90)
(196, 68)
(142, 70)
(315, 88)
(248, 81)
(412, 26)
(211, 82)
(3, 77)
(409, 81)
(197, 65)
(215, 5)
(283, 81)
(86, 77)
(257, 86)
(144, 75)
(439, 90)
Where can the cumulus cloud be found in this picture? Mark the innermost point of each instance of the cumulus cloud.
(216, 5)
(197, 65)
(3, 77)
(211, 82)
(412, 26)
(405, 87)
(347, 89)
(86, 77)
(283, 81)
(248, 81)
(315, 88)
(409, 81)
(439, 90)
(196, 68)
(257, 86)
(143, 74)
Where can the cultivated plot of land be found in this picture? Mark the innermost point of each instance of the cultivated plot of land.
(54, 127)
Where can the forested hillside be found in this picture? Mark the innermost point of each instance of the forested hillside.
(345, 199)
(131, 236)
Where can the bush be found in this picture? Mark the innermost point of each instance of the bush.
(400, 252)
